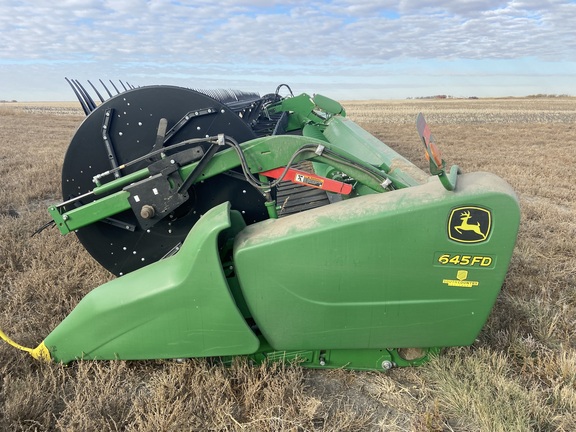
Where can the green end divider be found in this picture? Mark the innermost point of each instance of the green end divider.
(177, 307)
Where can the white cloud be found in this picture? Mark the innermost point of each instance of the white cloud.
(256, 38)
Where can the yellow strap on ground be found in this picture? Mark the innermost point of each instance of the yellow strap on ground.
(39, 353)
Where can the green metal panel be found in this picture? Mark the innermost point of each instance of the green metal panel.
(90, 213)
(381, 270)
(347, 135)
(356, 359)
(177, 307)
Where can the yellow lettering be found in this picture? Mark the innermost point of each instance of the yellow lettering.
(455, 259)
(465, 260)
(476, 260)
(444, 259)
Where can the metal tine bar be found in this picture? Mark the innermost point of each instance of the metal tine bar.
(244, 95)
(104, 85)
(125, 89)
(97, 92)
(89, 101)
(87, 96)
(82, 102)
(77, 87)
(115, 88)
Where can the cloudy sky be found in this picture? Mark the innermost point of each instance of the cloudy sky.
(345, 49)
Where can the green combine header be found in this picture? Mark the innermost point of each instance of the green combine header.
(272, 227)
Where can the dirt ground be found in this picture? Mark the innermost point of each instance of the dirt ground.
(520, 375)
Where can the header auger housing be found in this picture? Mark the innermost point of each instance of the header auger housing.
(272, 227)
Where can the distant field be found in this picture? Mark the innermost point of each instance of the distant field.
(57, 108)
(520, 375)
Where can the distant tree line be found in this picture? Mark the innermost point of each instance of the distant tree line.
(543, 95)
(443, 97)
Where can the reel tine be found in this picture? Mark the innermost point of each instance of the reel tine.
(97, 92)
(125, 89)
(115, 88)
(82, 102)
(104, 85)
(89, 101)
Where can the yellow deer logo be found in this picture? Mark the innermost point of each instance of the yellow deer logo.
(469, 224)
(465, 226)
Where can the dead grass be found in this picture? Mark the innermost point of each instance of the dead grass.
(519, 376)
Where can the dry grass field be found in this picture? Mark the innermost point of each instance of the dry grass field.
(520, 375)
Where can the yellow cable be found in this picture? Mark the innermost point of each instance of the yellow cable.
(39, 353)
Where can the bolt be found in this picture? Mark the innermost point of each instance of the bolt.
(387, 365)
(147, 212)
(65, 217)
(322, 361)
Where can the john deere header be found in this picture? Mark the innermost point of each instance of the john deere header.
(272, 227)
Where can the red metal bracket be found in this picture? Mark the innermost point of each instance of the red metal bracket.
(311, 180)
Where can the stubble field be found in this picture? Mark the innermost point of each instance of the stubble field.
(520, 375)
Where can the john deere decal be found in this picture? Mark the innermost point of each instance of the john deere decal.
(461, 280)
(469, 224)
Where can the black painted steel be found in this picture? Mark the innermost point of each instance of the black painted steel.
(132, 132)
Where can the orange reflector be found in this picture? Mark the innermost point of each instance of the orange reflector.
(436, 154)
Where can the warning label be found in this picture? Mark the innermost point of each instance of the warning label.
(311, 181)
